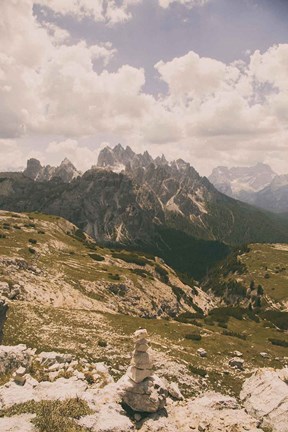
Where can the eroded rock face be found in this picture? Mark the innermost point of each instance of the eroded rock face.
(265, 396)
(3, 315)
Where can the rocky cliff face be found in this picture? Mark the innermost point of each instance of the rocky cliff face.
(274, 197)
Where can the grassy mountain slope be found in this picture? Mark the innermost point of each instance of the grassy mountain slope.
(255, 276)
(55, 263)
(71, 299)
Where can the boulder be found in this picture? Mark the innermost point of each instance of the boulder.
(237, 363)
(265, 396)
(109, 418)
(202, 352)
(12, 357)
(50, 358)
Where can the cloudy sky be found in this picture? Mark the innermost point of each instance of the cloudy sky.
(204, 80)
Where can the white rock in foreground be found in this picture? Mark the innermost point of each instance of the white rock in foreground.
(212, 412)
(19, 423)
(265, 396)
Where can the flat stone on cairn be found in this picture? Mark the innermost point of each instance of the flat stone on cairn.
(140, 389)
(20, 376)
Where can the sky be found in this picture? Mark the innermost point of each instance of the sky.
(201, 80)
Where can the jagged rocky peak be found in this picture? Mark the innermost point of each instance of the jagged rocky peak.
(238, 181)
(66, 171)
(161, 160)
(120, 158)
(33, 168)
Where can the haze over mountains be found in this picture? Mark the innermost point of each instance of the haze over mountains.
(258, 185)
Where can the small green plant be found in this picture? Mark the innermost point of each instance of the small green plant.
(32, 251)
(89, 377)
(32, 241)
(102, 343)
(114, 276)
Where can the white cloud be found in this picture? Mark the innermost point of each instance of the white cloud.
(80, 155)
(49, 87)
(189, 3)
(11, 155)
(109, 11)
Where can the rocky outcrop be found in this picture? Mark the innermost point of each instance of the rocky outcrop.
(13, 357)
(265, 397)
(3, 316)
(211, 412)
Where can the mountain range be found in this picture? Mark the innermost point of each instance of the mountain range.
(147, 204)
(258, 185)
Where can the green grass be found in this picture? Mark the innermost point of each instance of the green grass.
(267, 259)
(52, 416)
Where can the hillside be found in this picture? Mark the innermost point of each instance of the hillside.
(54, 263)
(255, 277)
(65, 293)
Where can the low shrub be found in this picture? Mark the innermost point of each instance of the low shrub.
(197, 371)
(279, 319)
(31, 250)
(234, 334)
(114, 276)
(131, 258)
(193, 336)
(102, 343)
(96, 257)
(32, 241)
(278, 342)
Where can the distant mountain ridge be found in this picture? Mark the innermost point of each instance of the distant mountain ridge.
(238, 181)
(140, 205)
(66, 171)
(258, 185)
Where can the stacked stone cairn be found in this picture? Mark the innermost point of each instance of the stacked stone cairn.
(141, 363)
(140, 388)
